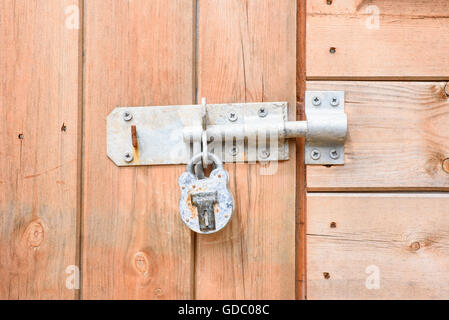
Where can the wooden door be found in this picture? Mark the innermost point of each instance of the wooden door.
(73, 224)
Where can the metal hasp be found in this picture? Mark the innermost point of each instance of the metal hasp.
(238, 132)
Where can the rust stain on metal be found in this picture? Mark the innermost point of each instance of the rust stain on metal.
(134, 136)
(193, 209)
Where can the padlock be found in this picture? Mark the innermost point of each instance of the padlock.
(206, 203)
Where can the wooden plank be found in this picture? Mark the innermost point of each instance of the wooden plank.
(135, 245)
(301, 202)
(247, 53)
(38, 157)
(396, 244)
(397, 137)
(378, 39)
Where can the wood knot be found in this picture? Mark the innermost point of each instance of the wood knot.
(34, 234)
(326, 275)
(141, 263)
(445, 165)
(415, 246)
(333, 225)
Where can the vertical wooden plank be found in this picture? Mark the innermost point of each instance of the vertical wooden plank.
(135, 246)
(247, 53)
(301, 196)
(39, 63)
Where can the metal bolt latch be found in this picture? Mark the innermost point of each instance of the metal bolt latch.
(172, 134)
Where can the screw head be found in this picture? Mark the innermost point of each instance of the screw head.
(128, 157)
(127, 116)
(334, 154)
(262, 112)
(264, 153)
(232, 116)
(335, 101)
(315, 154)
(316, 101)
(234, 151)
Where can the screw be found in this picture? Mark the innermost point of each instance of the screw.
(333, 225)
(335, 101)
(127, 116)
(315, 154)
(234, 151)
(316, 101)
(332, 50)
(20, 136)
(329, 2)
(129, 157)
(264, 153)
(232, 116)
(262, 112)
(334, 154)
(326, 275)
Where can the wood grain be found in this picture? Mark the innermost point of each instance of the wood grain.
(135, 246)
(397, 137)
(402, 236)
(38, 160)
(407, 44)
(301, 202)
(247, 53)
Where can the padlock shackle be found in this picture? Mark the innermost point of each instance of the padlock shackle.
(216, 160)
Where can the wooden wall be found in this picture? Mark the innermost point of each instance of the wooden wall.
(67, 212)
(384, 214)
(64, 206)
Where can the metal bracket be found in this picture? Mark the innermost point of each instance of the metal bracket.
(327, 126)
(240, 132)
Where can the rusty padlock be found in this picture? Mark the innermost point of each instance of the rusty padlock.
(206, 203)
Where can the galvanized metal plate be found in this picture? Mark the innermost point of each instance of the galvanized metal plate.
(327, 127)
(160, 133)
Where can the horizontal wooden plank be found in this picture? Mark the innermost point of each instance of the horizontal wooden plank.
(378, 38)
(378, 246)
(398, 137)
